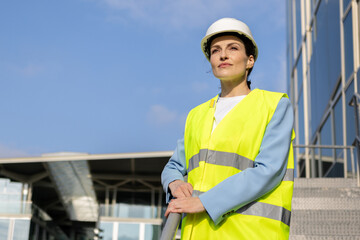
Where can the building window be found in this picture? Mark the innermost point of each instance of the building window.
(346, 4)
(298, 23)
(358, 3)
(21, 229)
(299, 71)
(350, 120)
(349, 50)
(4, 226)
(338, 127)
(128, 231)
(325, 62)
(301, 129)
(152, 232)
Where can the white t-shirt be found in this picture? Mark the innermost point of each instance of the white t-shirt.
(223, 107)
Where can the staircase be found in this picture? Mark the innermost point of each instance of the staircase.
(325, 208)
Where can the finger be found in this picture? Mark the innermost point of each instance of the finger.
(189, 190)
(167, 212)
(181, 193)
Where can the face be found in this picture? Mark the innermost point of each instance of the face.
(228, 58)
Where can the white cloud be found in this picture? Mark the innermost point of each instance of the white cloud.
(28, 70)
(159, 115)
(174, 13)
(31, 70)
(10, 152)
(193, 13)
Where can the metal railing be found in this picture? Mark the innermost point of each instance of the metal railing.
(314, 160)
(171, 226)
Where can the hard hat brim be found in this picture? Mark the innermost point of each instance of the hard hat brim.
(205, 40)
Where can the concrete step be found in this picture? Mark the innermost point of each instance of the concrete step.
(325, 182)
(330, 216)
(322, 222)
(325, 229)
(326, 192)
(325, 208)
(314, 203)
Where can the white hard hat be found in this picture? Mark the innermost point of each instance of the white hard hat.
(228, 25)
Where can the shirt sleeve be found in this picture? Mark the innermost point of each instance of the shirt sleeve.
(175, 169)
(269, 168)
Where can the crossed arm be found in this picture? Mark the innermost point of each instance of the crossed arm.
(269, 169)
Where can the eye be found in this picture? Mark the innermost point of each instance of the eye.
(215, 50)
(234, 48)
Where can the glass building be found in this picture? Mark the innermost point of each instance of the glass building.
(15, 214)
(323, 51)
(80, 196)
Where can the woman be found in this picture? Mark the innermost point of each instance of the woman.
(236, 151)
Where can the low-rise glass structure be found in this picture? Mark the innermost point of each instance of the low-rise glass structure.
(80, 196)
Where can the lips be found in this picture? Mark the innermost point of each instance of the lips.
(224, 65)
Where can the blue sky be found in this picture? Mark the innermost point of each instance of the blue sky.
(110, 76)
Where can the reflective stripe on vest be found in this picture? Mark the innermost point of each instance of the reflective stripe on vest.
(213, 156)
(261, 209)
(230, 160)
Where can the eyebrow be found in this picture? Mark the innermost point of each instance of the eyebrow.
(218, 46)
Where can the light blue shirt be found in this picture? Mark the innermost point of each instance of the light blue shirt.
(250, 184)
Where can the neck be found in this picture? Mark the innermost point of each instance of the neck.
(233, 88)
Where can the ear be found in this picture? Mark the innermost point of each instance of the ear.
(250, 62)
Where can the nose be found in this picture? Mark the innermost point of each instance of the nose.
(223, 55)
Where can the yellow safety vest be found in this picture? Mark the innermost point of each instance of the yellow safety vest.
(230, 149)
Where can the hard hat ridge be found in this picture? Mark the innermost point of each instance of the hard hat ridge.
(230, 25)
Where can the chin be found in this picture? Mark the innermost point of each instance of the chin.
(229, 76)
(232, 78)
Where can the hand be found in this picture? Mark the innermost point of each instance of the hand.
(185, 205)
(180, 189)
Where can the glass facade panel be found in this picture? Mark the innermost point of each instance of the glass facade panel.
(358, 77)
(338, 129)
(313, 5)
(350, 124)
(125, 210)
(325, 66)
(349, 49)
(325, 139)
(289, 38)
(338, 123)
(152, 232)
(21, 229)
(107, 228)
(300, 134)
(299, 71)
(4, 226)
(345, 4)
(298, 23)
(334, 49)
(350, 115)
(128, 231)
